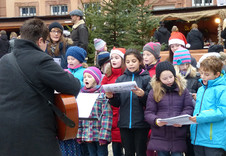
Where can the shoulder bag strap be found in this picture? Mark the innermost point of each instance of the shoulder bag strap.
(56, 110)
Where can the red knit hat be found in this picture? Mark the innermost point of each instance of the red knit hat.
(178, 38)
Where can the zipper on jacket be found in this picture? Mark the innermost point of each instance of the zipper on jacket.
(199, 112)
(211, 131)
(130, 111)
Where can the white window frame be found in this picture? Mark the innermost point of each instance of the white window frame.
(60, 12)
(28, 13)
(203, 3)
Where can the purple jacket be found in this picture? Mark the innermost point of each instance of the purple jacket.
(168, 138)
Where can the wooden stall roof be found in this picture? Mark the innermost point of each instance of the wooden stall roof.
(190, 13)
(16, 22)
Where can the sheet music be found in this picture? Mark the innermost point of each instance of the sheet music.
(181, 120)
(85, 102)
(120, 87)
(57, 60)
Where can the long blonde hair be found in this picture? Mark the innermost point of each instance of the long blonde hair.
(159, 91)
(191, 71)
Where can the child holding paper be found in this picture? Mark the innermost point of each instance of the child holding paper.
(133, 128)
(96, 133)
(116, 69)
(208, 135)
(168, 98)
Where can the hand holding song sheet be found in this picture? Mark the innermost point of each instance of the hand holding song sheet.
(120, 87)
(180, 120)
(85, 103)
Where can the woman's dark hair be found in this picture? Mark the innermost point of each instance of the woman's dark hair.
(136, 53)
(33, 29)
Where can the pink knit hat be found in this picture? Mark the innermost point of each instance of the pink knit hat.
(95, 72)
(99, 44)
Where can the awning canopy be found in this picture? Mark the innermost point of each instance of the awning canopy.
(192, 16)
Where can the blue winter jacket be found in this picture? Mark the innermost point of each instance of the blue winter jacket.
(78, 73)
(210, 110)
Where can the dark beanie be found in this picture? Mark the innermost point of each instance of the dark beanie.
(55, 25)
(216, 48)
(103, 57)
(162, 66)
(76, 52)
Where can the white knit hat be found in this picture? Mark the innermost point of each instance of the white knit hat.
(205, 56)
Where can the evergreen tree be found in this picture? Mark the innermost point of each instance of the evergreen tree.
(91, 11)
(142, 24)
(113, 22)
(121, 23)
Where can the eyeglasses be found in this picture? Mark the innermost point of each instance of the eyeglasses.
(55, 32)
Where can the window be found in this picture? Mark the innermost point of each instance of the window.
(93, 5)
(59, 10)
(27, 11)
(198, 3)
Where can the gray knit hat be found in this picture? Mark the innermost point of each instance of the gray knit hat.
(154, 48)
(76, 12)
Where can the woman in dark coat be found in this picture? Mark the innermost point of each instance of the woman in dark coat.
(28, 123)
(57, 44)
(169, 98)
(195, 38)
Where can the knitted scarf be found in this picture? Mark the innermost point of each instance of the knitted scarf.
(96, 89)
(148, 67)
(171, 88)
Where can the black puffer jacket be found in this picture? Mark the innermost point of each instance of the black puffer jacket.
(193, 84)
(4, 45)
(195, 39)
(131, 113)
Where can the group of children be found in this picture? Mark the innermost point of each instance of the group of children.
(164, 89)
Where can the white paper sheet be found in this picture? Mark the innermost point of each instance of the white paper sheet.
(120, 87)
(181, 120)
(85, 102)
(57, 60)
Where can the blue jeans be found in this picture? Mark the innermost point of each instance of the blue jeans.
(96, 150)
(164, 153)
(117, 149)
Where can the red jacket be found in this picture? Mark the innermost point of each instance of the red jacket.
(115, 132)
(151, 69)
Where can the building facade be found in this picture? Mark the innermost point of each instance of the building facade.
(21, 8)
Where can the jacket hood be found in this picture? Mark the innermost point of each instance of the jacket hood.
(163, 30)
(4, 37)
(180, 81)
(221, 80)
(195, 32)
